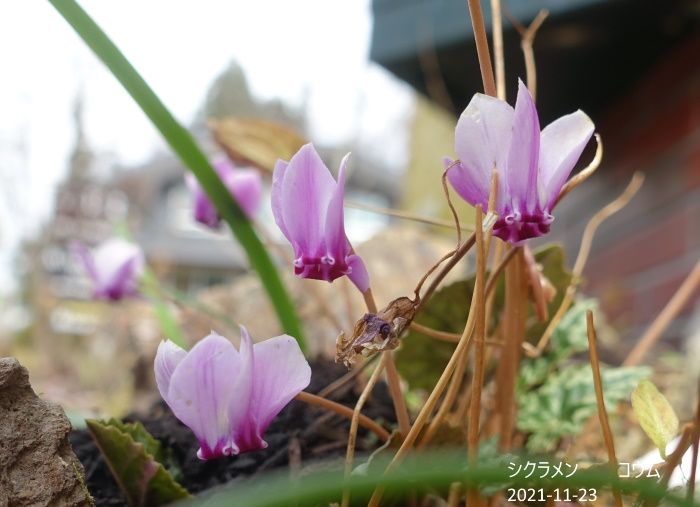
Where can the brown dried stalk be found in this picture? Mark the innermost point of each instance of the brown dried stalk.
(454, 495)
(674, 459)
(584, 250)
(527, 38)
(696, 448)
(497, 35)
(342, 410)
(482, 47)
(478, 377)
(352, 435)
(602, 413)
(392, 375)
(682, 296)
(584, 173)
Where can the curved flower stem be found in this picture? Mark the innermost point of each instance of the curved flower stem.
(342, 410)
(482, 47)
(585, 248)
(392, 376)
(584, 173)
(406, 216)
(478, 379)
(352, 436)
(602, 413)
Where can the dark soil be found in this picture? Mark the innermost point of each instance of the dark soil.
(299, 435)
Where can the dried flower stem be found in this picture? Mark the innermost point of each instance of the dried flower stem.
(602, 413)
(364, 421)
(497, 36)
(696, 449)
(584, 250)
(340, 382)
(424, 414)
(527, 38)
(461, 252)
(454, 495)
(674, 459)
(515, 312)
(482, 47)
(478, 378)
(682, 296)
(695, 441)
(392, 375)
(354, 422)
(446, 336)
(584, 173)
(406, 216)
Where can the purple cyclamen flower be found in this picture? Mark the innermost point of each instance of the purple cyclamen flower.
(532, 166)
(114, 268)
(228, 397)
(308, 207)
(245, 186)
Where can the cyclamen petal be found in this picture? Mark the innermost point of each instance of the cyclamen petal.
(308, 208)
(244, 185)
(228, 397)
(114, 268)
(532, 166)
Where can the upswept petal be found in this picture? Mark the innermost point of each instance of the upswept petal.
(276, 195)
(281, 372)
(562, 143)
(336, 241)
(306, 192)
(358, 273)
(244, 432)
(200, 392)
(168, 356)
(523, 155)
(482, 140)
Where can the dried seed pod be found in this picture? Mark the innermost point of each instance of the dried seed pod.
(376, 332)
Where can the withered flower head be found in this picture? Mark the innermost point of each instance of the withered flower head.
(376, 332)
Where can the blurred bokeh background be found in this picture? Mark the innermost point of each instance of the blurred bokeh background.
(385, 79)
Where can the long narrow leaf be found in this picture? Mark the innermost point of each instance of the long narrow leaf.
(185, 147)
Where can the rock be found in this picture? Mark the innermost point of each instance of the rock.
(37, 465)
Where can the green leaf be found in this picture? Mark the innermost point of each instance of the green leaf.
(185, 147)
(566, 400)
(125, 447)
(655, 414)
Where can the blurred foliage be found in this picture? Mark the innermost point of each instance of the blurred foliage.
(421, 359)
(136, 461)
(655, 414)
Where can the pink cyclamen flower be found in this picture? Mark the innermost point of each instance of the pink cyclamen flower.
(532, 166)
(308, 207)
(114, 268)
(245, 186)
(228, 397)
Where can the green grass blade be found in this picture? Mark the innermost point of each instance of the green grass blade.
(185, 147)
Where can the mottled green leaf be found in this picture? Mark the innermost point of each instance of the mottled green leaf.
(130, 453)
(655, 414)
(566, 400)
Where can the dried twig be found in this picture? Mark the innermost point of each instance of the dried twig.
(497, 35)
(482, 47)
(675, 305)
(352, 435)
(478, 377)
(602, 413)
(584, 173)
(586, 241)
(364, 421)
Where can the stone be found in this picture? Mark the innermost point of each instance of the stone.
(37, 465)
